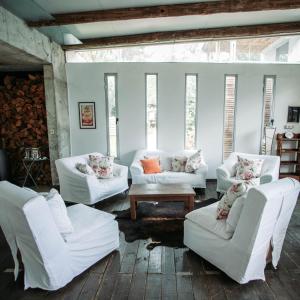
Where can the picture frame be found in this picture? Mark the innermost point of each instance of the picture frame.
(293, 114)
(87, 115)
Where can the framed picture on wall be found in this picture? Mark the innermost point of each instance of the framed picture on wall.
(87, 115)
(293, 114)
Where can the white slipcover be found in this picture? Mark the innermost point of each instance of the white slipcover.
(87, 189)
(226, 172)
(49, 261)
(264, 218)
(197, 179)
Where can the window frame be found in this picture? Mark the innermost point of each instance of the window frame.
(146, 114)
(196, 108)
(263, 104)
(224, 112)
(115, 75)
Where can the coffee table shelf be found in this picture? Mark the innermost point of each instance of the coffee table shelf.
(160, 193)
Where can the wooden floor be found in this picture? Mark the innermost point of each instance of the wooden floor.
(133, 272)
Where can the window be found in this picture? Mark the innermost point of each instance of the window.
(282, 52)
(191, 90)
(111, 114)
(268, 100)
(151, 110)
(229, 114)
(254, 50)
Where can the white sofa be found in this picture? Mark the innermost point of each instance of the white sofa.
(197, 179)
(50, 260)
(87, 189)
(226, 172)
(264, 219)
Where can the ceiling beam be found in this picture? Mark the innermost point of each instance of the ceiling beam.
(190, 35)
(162, 11)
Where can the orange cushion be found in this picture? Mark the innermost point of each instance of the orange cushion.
(150, 166)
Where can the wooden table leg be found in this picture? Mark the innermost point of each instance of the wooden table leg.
(191, 203)
(133, 205)
(186, 203)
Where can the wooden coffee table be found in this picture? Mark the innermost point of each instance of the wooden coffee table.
(161, 192)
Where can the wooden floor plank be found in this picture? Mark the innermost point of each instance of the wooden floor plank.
(122, 287)
(90, 287)
(200, 289)
(169, 287)
(129, 258)
(138, 286)
(153, 287)
(155, 260)
(142, 258)
(184, 287)
(182, 264)
(107, 285)
(168, 260)
(100, 266)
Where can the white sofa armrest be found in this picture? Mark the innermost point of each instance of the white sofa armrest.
(223, 172)
(136, 169)
(120, 170)
(202, 169)
(270, 171)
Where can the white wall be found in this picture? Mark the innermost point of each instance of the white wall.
(86, 83)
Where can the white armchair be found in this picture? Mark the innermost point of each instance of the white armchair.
(87, 189)
(197, 179)
(50, 259)
(260, 229)
(226, 172)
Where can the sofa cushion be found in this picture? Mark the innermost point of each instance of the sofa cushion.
(235, 191)
(151, 166)
(86, 219)
(234, 214)
(205, 217)
(102, 165)
(85, 169)
(178, 163)
(247, 169)
(193, 162)
(59, 212)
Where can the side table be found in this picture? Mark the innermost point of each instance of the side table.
(28, 163)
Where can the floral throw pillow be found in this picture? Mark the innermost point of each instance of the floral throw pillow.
(105, 167)
(193, 162)
(85, 169)
(247, 169)
(178, 163)
(235, 191)
(101, 165)
(94, 160)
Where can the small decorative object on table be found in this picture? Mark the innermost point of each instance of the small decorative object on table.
(27, 153)
(289, 135)
(35, 153)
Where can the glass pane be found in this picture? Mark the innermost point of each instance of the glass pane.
(268, 100)
(190, 111)
(151, 113)
(112, 114)
(255, 50)
(229, 118)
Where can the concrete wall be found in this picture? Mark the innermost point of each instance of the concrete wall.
(86, 83)
(32, 47)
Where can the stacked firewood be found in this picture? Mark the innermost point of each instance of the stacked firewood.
(23, 119)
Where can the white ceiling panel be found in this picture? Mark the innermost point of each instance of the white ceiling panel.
(65, 6)
(115, 28)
